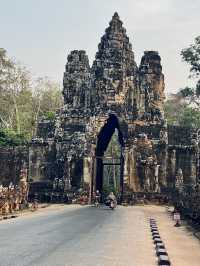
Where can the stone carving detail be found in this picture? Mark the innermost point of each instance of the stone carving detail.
(147, 165)
(179, 180)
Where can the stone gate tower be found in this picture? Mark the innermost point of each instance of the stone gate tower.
(112, 94)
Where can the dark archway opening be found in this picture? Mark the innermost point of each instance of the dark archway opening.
(76, 172)
(103, 141)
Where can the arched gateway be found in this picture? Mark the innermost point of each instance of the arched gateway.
(104, 138)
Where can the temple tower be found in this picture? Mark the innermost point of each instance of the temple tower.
(114, 70)
(76, 81)
(152, 85)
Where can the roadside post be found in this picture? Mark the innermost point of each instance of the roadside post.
(177, 219)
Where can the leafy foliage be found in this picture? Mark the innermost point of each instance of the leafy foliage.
(183, 108)
(24, 100)
(190, 117)
(111, 180)
(191, 55)
(179, 111)
(50, 115)
(173, 108)
(187, 92)
(11, 138)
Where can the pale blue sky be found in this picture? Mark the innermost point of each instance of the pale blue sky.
(40, 33)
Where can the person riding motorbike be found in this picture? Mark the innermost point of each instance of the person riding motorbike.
(97, 198)
(111, 200)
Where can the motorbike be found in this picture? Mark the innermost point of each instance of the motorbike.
(97, 202)
(112, 204)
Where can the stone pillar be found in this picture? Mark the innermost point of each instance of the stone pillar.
(67, 178)
(157, 187)
(92, 184)
(193, 168)
(86, 170)
(126, 167)
(162, 161)
(134, 179)
(171, 168)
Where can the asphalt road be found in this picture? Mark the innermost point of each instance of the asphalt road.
(85, 236)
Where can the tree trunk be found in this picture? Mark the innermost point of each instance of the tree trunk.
(36, 117)
(18, 126)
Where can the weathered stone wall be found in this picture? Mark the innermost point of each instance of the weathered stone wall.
(182, 154)
(12, 160)
(42, 162)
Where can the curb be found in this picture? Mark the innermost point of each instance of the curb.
(6, 217)
(163, 259)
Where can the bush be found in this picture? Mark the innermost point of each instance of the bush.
(11, 138)
(50, 115)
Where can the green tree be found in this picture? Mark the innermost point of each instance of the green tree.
(190, 117)
(191, 55)
(112, 171)
(15, 84)
(23, 100)
(47, 99)
(174, 107)
(183, 107)
(181, 112)
(9, 137)
(5, 68)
